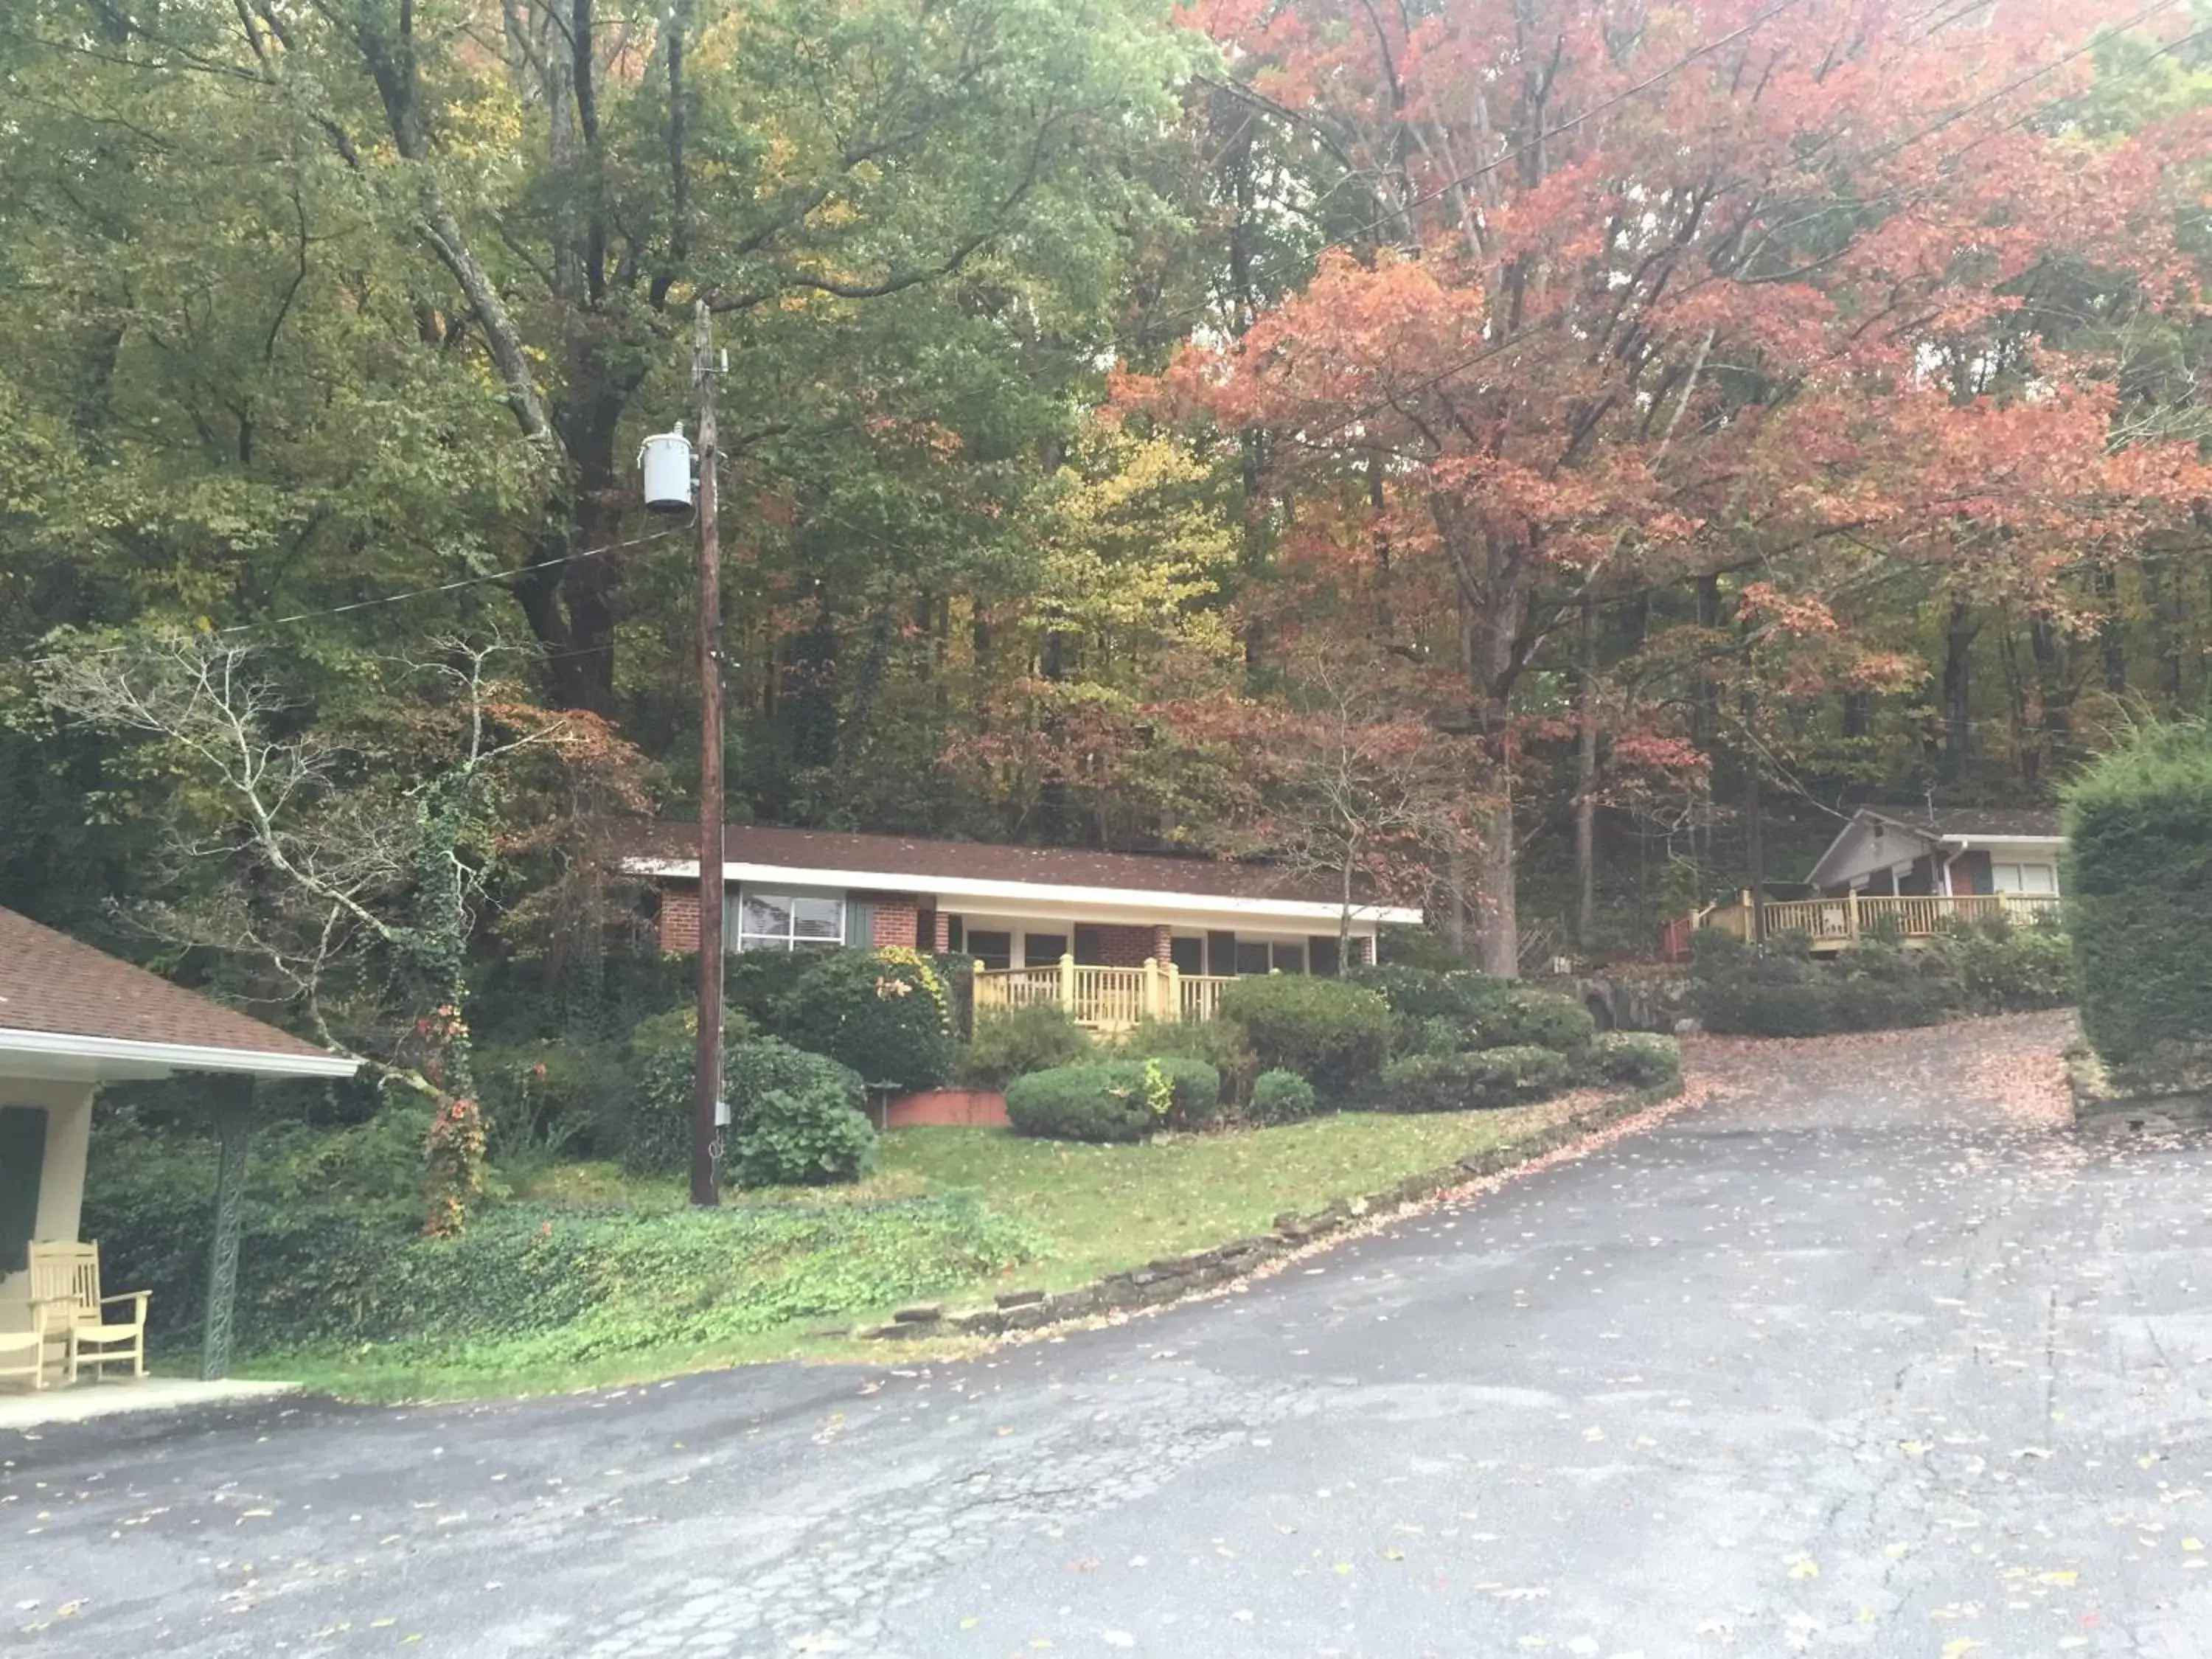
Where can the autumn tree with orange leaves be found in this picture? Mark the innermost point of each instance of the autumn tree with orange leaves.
(1653, 296)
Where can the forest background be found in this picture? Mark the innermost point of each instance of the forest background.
(1551, 455)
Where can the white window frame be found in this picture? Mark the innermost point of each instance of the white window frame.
(738, 937)
(2019, 868)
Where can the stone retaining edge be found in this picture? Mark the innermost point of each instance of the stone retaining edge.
(1173, 1278)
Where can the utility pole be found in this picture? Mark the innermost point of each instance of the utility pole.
(707, 1078)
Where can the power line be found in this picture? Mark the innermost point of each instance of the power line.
(456, 585)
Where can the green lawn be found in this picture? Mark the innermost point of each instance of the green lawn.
(1105, 1208)
(1085, 1210)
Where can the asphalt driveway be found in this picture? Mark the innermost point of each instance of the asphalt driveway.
(1867, 1354)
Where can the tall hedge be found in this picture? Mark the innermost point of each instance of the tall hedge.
(2138, 880)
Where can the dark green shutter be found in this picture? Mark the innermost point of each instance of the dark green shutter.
(23, 1162)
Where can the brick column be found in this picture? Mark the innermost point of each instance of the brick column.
(1163, 945)
(679, 920)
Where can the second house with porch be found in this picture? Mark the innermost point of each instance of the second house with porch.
(1914, 873)
(1113, 937)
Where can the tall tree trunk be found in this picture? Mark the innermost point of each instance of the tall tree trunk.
(1586, 780)
(1704, 709)
(2054, 689)
(1959, 630)
(1497, 927)
(2111, 641)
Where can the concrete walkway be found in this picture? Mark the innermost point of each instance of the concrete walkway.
(1867, 1355)
(115, 1398)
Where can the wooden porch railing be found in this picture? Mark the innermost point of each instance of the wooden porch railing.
(1832, 923)
(1104, 999)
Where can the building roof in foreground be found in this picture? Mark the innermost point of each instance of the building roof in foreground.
(60, 998)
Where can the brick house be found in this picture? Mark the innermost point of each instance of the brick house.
(1078, 923)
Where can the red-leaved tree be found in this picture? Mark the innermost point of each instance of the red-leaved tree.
(1646, 294)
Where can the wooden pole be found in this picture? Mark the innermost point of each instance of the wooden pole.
(1067, 982)
(707, 1077)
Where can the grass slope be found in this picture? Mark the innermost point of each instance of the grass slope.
(1079, 1211)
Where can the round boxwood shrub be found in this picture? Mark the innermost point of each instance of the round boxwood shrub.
(1193, 1090)
(1281, 1096)
(1525, 1016)
(1100, 1100)
(884, 1013)
(753, 1070)
(1108, 1100)
(812, 1137)
(1485, 1078)
(657, 1136)
(1334, 1034)
(1636, 1060)
(1011, 1042)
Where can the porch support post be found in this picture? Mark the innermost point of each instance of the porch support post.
(1854, 893)
(1152, 988)
(1067, 982)
(234, 1128)
(1171, 1008)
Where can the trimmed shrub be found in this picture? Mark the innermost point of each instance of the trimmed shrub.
(1194, 1085)
(761, 983)
(2001, 967)
(1334, 1034)
(1524, 1016)
(753, 1070)
(1281, 1096)
(1426, 993)
(1636, 1060)
(813, 1137)
(1011, 1042)
(1221, 1044)
(1777, 989)
(1110, 1100)
(884, 1013)
(1101, 1100)
(1485, 1079)
(2138, 880)
(657, 1136)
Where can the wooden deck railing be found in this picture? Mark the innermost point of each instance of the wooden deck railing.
(1104, 999)
(1833, 923)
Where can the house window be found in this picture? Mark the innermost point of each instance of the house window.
(1043, 949)
(993, 949)
(788, 921)
(1289, 958)
(1252, 956)
(1188, 954)
(1091, 947)
(2024, 878)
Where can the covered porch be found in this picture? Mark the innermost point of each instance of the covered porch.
(1110, 973)
(1831, 923)
(73, 1019)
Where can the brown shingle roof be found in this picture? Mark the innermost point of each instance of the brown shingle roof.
(1978, 822)
(1064, 867)
(50, 984)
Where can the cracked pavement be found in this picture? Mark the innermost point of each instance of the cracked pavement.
(1868, 1353)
